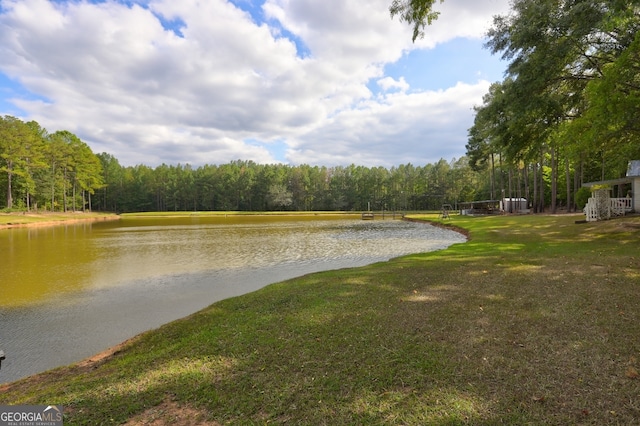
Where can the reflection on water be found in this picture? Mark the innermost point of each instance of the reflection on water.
(38, 263)
(68, 292)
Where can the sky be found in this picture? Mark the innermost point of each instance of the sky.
(328, 83)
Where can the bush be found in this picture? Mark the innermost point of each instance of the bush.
(582, 196)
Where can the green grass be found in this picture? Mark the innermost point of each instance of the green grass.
(534, 320)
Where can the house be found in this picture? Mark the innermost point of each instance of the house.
(602, 205)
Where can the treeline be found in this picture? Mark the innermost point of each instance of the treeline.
(59, 172)
(44, 171)
(247, 186)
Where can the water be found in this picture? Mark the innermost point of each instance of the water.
(69, 292)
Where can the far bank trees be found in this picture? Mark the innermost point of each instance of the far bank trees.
(59, 172)
(46, 171)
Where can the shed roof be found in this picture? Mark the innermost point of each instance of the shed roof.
(609, 182)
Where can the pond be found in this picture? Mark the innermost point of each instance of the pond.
(70, 291)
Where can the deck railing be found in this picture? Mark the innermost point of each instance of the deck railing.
(600, 209)
(622, 205)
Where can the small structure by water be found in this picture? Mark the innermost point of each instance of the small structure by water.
(493, 207)
(475, 208)
(368, 216)
(446, 210)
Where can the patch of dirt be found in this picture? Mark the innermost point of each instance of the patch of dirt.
(629, 225)
(171, 413)
(99, 358)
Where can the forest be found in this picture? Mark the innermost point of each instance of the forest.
(59, 172)
(567, 112)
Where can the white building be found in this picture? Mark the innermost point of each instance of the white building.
(514, 205)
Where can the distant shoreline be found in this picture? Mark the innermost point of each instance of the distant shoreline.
(32, 220)
(22, 220)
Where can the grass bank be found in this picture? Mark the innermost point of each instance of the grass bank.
(13, 220)
(535, 320)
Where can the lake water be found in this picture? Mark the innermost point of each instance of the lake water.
(68, 292)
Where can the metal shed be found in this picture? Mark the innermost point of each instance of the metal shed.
(514, 205)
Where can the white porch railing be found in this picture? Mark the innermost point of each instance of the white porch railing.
(602, 208)
(622, 205)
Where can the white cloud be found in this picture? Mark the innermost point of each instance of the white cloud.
(462, 18)
(389, 83)
(112, 74)
(402, 128)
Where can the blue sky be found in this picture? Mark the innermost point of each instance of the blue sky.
(460, 59)
(12, 89)
(293, 81)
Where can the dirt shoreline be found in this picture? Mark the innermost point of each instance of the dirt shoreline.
(72, 218)
(442, 225)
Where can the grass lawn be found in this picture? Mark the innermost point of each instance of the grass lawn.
(535, 320)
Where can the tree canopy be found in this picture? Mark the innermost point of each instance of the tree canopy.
(572, 84)
(418, 13)
(54, 171)
(571, 92)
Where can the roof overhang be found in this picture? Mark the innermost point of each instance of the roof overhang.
(620, 181)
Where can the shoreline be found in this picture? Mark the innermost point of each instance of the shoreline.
(440, 224)
(106, 352)
(33, 220)
(103, 356)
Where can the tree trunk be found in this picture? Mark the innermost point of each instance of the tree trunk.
(541, 200)
(526, 184)
(576, 187)
(535, 188)
(554, 180)
(510, 184)
(9, 178)
(64, 192)
(493, 176)
(519, 182)
(567, 172)
(53, 186)
(501, 167)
